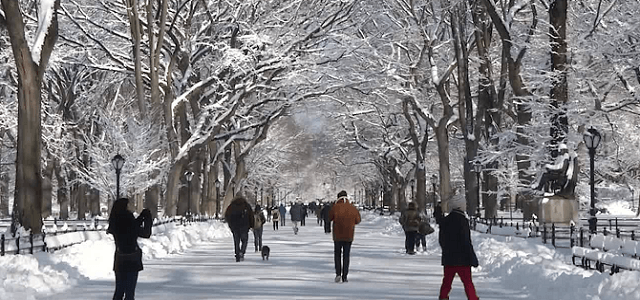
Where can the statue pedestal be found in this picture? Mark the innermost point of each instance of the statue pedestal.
(556, 209)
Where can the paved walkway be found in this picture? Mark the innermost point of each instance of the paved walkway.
(300, 267)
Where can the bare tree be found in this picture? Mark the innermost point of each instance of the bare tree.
(31, 63)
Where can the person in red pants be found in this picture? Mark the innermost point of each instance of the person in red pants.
(458, 255)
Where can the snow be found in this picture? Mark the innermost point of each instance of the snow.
(196, 262)
(45, 17)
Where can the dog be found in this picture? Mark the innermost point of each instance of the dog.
(265, 252)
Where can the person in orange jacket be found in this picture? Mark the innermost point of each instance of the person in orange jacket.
(345, 217)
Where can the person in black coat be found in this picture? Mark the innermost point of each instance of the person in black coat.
(239, 217)
(458, 255)
(127, 261)
(326, 208)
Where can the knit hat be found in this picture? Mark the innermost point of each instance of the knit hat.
(457, 202)
(342, 195)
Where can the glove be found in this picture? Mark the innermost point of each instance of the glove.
(146, 214)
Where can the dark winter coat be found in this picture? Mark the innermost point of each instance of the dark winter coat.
(410, 218)
(296, 212)
(126, 229)
(258, 220)
(282, 210)
(455, 240)
(345, 217)
(239, 215)
(326, 208)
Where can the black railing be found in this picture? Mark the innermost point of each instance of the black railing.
(36, 242)
(563, 235)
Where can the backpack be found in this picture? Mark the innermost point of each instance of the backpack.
(413, 222)
(257, 223)
(413, 219)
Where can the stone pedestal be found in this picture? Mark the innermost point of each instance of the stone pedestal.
(556, 209)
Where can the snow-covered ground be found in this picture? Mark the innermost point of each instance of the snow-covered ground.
(196, 262)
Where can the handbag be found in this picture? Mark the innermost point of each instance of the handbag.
(129, 258)
(425, 228)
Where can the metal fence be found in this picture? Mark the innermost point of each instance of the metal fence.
(37, 242)
(564, 235)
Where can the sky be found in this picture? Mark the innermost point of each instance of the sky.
(197, 262)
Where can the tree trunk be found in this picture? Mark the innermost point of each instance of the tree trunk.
(469, 125)
(136, 37)
(151, 199)
(62, 195)
(442, 138)
(173, 185)
(488, 105)
(559, 90)
(47, 188)
(4, 179)
(28, 191)
(79, 194)
(94, 202)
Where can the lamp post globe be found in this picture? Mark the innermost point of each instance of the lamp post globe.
(592, 139)
(117, 162)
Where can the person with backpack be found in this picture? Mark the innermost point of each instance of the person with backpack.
(275, 218)
(410, 221)
(458, 255)
(239, 217)
(127, 261)
(423, 230)
(258, 223)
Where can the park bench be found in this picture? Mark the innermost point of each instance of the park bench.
(608, 251)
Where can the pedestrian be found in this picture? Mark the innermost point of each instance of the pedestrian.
(423, 230)
(127, 261)
(326, 208)
(296, 215)
(458, 255)
(269, 213)
(410, 221)
(258, 223)
(275, 218)
(283, 214)
(345, 217)
(304, 215)
(318, 212)
(239, 217)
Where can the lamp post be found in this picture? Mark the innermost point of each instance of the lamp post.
(255, 193)
(478, 168)
(592, 139)
(413, 185)
(217, 198)
(188, 175)
(434, 179)
(117, 162)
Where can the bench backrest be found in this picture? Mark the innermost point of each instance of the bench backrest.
(629, 247)
(612, 243)
(597, 241)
